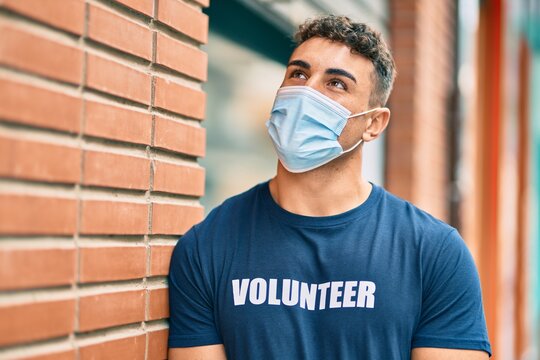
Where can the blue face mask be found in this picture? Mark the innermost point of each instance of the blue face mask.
(304, 126)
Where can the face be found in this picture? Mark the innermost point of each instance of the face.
(330, 68)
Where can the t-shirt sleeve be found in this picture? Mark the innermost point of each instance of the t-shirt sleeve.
(452, 314)
(191, 321)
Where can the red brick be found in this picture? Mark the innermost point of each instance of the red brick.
(112, 263)
(160, 259)
(157, 344)
(32, 53)
(158, 304)
(119, 32)
(39, 161)
(114, 170)
(144, 6)
(65, 14)
(60, 355)
(179, 179)
(131, 348)
(175, 136)
(112, 122)
(37, 106)
(117, 79)
(180, 99)
(408, 160)
(184, 18)
(106, 310)
(36, 321)
(405, 5)
(26, 268)
(113, 217)
(25, 214)
(174, 219)
(181, 57)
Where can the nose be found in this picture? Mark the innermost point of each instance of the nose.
(316, 82)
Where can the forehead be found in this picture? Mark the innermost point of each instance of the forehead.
(323, 54)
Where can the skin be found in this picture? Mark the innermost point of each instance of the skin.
(208, 352)
(337, 186)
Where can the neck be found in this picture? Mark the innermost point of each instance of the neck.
(328, 190)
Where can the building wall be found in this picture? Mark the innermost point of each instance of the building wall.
(534, 205)
(497, 208)
(100, 113)
(422, 41)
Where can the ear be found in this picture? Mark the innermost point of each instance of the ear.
(376, 124)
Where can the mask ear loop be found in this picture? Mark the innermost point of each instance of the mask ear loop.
(362, 113)
(353, 147)
(359, 142)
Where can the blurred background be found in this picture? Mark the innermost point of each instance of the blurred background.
(122, 122)
(463, 141)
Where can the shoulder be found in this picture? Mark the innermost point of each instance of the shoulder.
(412, 220)
(232, 209)
(439, 246)
(221, 220)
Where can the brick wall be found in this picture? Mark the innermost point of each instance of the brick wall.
(417, 139)
(100, 110)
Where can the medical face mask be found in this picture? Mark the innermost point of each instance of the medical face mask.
(304, 126)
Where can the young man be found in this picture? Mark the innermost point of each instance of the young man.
(318, 263)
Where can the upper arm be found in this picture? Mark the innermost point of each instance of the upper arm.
(191, 304)
(208, 352)
(447, 354)
(452, 315)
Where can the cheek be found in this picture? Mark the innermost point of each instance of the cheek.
(351, 134)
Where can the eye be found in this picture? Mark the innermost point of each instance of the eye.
(298, 75)
(338, 84)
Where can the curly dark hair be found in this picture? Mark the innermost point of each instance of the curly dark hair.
(361, 39)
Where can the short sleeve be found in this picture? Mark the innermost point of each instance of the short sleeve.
(452, 314)
(191, 321)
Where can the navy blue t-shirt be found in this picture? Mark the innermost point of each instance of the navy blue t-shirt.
(370, 283)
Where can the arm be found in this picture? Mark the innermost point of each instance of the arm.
(452, 316)
(447, 354)
(192, 330)
(207, 352)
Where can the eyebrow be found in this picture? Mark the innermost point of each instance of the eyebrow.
(331, 71)
(300, 63)
(334, 71)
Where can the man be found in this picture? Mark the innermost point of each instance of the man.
(319, 263)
